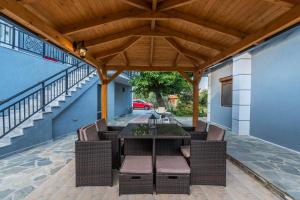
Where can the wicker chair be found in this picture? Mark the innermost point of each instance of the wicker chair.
(110, 133)
(207, 157)
(93, 159)
(199, 132)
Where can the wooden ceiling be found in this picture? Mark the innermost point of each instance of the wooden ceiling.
(159, 35)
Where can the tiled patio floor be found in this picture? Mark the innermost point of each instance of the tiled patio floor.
(240, 186)
(24, 172)
(21, 173)
(278, 165)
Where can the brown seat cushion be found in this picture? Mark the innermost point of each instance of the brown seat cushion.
(186, 151)
(215, 133)
(90, 133)
(137, 165)
(201, 126)
(101, 125)
(172, 165)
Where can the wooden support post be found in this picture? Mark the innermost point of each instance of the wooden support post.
(196, 80)
(104, 94)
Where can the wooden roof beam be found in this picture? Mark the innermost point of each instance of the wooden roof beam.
(160, 32)
(22, 15)
(137, 14)
(149, 68)
(185, 76)
(171, 4)
(284, 21)
(284, 3)
(117, 50)
(176, 59)
(115, 36)
(206, 24)
(185, 52)
(190, 38)
(98, 21)
(138, 4)
(125, 58)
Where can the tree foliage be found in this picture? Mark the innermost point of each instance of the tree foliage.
(161, 84)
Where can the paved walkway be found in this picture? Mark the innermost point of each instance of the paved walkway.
(278, 165)
(23, 172)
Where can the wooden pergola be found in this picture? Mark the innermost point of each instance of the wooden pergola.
(155, 35)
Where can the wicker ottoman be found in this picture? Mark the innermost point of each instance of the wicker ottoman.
(136, 175)
(172, 175)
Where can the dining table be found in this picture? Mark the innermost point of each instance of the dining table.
(159, 132)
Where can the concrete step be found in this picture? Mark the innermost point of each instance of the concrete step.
(27, 124)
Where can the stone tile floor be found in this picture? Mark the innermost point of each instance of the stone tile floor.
(278, 165)
(21, 173)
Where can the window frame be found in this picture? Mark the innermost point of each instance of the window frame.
(225, 81)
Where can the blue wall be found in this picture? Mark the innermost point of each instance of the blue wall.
(82, 112)
(123, 99)
(20, 71)
(111, 101)
(275, 99)
(219, 114)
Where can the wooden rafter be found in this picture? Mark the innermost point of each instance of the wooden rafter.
(185, 52)
(148, 68)
(125, 58)
(190, 38)
(138, 4)
(159, 32)
(137, 14)
(117, 73)
(176, 59)
(151, 51)
(153, 22)
(284, 3)
(286, 20)
(117, 50)
(98, 21)
(115, 36)
(171, 4)
(184, 75)
(206, 24)
(22, 15)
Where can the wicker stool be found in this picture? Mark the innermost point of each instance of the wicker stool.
(136, 175)
(172, 175)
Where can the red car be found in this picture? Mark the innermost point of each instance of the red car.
(140, 104)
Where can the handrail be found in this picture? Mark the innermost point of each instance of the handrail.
(35, 98)
(33, 86)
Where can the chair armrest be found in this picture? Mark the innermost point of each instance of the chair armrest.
(115, 128)
(198, 135)
(188, 128)
(210, 150)
(93, 147)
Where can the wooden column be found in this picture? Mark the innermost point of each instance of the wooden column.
(104, 95)
(196, 80)
(102, 73)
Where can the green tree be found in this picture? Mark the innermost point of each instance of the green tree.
(161, 84)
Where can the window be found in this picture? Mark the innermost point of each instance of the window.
(226, 91)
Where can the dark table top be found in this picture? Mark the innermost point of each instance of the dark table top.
(163, 131)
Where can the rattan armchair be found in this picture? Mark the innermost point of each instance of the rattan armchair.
(110, 133)
(93, 159)
(207, 157)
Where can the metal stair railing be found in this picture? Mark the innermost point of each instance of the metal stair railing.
(23, 105)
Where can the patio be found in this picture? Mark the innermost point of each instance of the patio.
(189, 37)
(40, 167)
